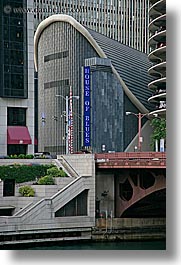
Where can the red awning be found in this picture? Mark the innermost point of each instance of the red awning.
(18, 135)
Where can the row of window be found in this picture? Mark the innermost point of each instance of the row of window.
(13, 33)
(54, 56)
(13, 45)
(16, 69)
(13, 81)
(57, 83)
(70, 7)
(13, 57)
(14, 93)
(13, 21)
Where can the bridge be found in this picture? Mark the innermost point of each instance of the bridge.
(135, 183)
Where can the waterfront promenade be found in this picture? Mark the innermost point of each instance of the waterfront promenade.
(38, 219)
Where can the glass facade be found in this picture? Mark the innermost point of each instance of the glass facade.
(107, 104)
(13, 50)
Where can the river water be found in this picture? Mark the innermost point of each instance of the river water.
(123, 245)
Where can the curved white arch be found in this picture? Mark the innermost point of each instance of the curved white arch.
(66, 18)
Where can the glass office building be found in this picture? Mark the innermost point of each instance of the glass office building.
(110, 78)
(123, 20)
(16, 78)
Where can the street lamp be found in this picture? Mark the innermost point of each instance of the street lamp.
(67, 117)
(139, 116)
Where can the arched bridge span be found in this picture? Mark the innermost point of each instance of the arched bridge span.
(134, 177)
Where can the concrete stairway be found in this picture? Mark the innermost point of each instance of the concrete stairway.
(41, 215)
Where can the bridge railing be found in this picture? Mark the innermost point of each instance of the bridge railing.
(130, 156)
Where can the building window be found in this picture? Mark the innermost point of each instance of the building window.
(57, 83)
(55, 56)
(16, 117)
(16, 149)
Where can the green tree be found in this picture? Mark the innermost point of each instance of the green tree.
(159, 130)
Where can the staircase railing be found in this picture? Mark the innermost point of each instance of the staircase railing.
(68, 167)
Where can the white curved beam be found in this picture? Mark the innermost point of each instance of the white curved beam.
(65, 18)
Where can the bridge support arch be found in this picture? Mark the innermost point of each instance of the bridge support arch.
(117, 190)
(129, 188)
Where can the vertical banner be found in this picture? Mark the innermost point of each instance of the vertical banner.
(87, 104)
(70, 122)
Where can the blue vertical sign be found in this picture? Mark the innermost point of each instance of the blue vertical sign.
(87, 104)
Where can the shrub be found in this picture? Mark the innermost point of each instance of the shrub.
(55, 172)
(63, 174)
(29, 156)
(27, 191)
(21, 156)
(13, 156)
(46, 180)
(23, 173)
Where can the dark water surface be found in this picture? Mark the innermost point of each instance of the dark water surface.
(126, 245)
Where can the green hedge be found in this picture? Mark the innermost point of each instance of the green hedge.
(23, 173)
(21, 156)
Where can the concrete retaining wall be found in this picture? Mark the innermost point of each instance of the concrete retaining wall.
(41, 191)
(84, 164)
(119, 223)
(130, 229)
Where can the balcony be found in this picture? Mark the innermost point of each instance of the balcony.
(158, 24)
(154, 85)
(159, 112)
(158, 70)
(157, 55)
(157, 98)
(158, 9)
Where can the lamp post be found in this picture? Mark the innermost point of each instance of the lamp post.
(139, 116)
(67, 118)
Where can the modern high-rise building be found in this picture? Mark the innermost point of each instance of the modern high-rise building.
(157, 55)
(16, 78)
(123, 20)
(87, 81)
